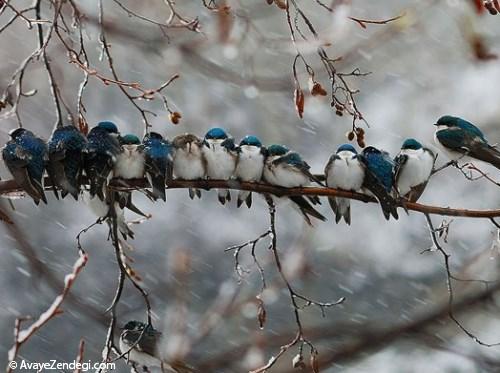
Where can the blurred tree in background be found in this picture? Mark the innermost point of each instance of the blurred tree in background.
(420, 294)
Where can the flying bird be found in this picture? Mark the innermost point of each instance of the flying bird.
(412, 170)
(25, 156)
(344, 170)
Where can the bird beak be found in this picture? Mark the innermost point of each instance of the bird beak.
(435, 124)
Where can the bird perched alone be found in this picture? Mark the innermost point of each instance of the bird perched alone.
(459, 138)
(159, 162)
(25, 156)
(249, 165)
(412, 170)
(100, 155)
(219, 151)
(379, 178)
(189, 162)
(65, 165)
(344, 170)
(139, 342)
(287, 169)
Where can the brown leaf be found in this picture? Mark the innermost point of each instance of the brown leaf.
(261, 314)
(318, 90)
(299, 101)
(175, 117)
(480, 49)
(314, 362)
(280, 4)
(83, 125)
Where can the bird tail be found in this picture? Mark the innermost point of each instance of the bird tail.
(487, 153)
(244, 196)
(194, 192)
(306, 209)
(158, 184)
(387, 203)
(224, 195)
(342, 209)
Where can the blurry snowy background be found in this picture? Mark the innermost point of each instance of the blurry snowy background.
(423, 66)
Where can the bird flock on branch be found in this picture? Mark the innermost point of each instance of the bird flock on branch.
(104, 154)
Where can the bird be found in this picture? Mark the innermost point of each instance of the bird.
(412, 170)
(65, 164)
(100, 155)
(129, 164)
(25, 156)
(139, 342)
(189, 162)
(285, 168)
(249, 165)
(220, 155)
(379, 178)
(459, 138)
(344, 170)
(158, 154)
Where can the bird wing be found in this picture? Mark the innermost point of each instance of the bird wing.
(399, 162)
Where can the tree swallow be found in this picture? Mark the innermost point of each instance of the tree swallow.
(379, 178)
(287, 169)
(25, 156)
(249, 165)
(189, 162)
(140, 343)
(220, 154)
(100, 155)
(159, 162)
(459, 138)
(413, 168)
(65, 165)
(344, 170)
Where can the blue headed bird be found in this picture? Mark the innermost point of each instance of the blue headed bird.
(379, 179)
(65, 165)
(159, 162)
(25, 155)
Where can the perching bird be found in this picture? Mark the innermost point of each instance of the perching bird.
(65, 165)
(159, 162)
(459, 138)
(220, 155)
(379, 178)
(100, 155)
(287, 169)
(129, 164)
(25, 156)
(189, 162)
(249, 165)
(412, 170)
(344, 170)
(140, 342)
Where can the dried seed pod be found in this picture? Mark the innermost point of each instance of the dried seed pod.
(360, 131)
(299, 101)
(261, 314)
(175, 117)
(318, 90)
(350, 135)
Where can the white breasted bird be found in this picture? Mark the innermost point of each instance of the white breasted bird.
(412, 170)
(249, 165)
(189, 161)
(285, 168)
(344, 170)
(220, 154)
